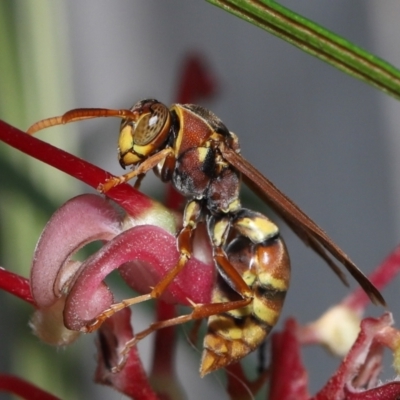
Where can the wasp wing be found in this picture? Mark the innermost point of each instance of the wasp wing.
(302, 225)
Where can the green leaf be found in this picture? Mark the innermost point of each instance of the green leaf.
(316, 40)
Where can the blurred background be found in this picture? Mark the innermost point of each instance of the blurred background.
(328, 141)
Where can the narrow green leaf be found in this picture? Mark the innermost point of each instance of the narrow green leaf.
(316, 40)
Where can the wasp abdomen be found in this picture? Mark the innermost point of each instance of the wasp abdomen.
(265, 267)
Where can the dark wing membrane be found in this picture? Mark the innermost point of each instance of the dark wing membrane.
(305, 228)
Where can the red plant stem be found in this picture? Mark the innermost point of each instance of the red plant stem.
(239, 386)
(164, 342)
(381, 276)
(24, 389)
(16, 285)
(196, 81)
(74, 166)
(288, 378)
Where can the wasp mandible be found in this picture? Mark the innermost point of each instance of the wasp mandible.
(190, 147)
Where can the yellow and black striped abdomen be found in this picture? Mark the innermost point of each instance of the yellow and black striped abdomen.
(265, 267)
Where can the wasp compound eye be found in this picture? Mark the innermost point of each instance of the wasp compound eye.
(150, 124)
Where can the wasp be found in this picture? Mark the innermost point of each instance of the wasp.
(190, 147)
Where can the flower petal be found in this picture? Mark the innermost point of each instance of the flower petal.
(150, 252)
(360, 367)
(81, 220)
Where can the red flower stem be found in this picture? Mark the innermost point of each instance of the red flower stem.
(164, 342)
(288, 379)
(74, 166)
(196, 81)
(239, 386)
(381, 276)
(16, 285)
(24, 389)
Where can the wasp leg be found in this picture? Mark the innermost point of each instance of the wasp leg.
(138, 181)
(142, 169)
(218, 230)
(191, 217)
(114, 308)
(156, 292)
(231, 274)
(184, 242)
(200, 311)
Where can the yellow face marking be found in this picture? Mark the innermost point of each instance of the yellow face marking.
(125, 146)
(264, 313)
(132, 153)
(143, 150)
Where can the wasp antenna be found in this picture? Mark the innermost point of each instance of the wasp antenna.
(80, 114)
(43, 124)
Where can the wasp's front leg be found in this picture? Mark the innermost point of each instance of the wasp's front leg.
(141, 169)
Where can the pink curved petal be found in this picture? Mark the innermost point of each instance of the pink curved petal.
(151, 252)
(81, 220)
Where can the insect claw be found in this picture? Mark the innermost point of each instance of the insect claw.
(120, 364)
(110, 183)
(124, 355)
(93, 326)
(192, 303)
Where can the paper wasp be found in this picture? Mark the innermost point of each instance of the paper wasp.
(190, 147)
